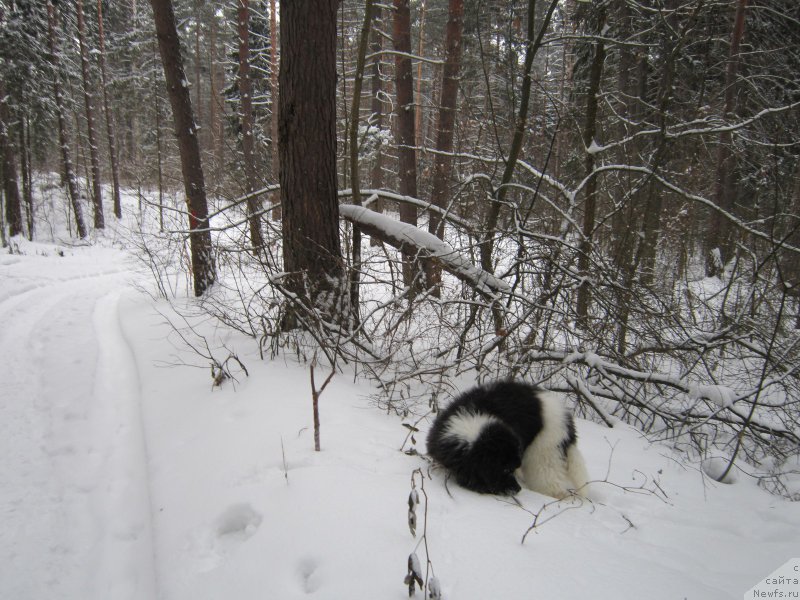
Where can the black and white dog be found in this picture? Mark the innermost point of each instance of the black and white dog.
(491, 435)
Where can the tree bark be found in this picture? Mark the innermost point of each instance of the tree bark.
(376, 109)
(94, 157)
(423, 10)
(198, 66)
(27, 177)
(63, 140)
(203, 269)
(376, 106)
(355, 177)
(10, 183)
(590, 204)
(215, 102)
(159, 152)
(720, 235)
(443, 161)
(112, 138)
(274, 93)
(247, 122)
(405, 130)
(312, 253)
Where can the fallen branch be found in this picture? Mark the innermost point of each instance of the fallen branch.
(413, 240)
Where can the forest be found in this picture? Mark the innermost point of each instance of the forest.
(600, 197)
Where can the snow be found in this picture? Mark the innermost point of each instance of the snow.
(403, 233)
(126, 475)
(720, 395)
(594, 148)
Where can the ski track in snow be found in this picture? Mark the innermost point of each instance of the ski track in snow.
(73, 494)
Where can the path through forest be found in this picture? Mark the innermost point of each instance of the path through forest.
(74, 493)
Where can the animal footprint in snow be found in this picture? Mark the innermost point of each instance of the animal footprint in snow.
(308, 571)
(238, 523)
(233, 527)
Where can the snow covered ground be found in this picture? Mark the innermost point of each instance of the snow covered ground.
(124, 475)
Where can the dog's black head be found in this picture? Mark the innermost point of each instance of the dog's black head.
(494, 457)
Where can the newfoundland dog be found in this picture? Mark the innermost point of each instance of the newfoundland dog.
(494, 436)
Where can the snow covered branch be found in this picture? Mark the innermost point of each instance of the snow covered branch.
(413, 240)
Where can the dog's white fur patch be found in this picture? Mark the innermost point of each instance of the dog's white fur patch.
(466, 425)
(578, 475)
(544, 468)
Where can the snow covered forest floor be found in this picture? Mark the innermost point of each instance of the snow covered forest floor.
(127, 475)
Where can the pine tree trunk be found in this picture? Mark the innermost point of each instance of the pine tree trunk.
(420, 138)
(312, 253)
(159, 153)
(405, 130)
(720, 236)
(443, 161)
(355, 176)
(94, 158)
(63, 140)
(247, 121)
(27, 178)
(198, 70)
(274, 100)
(590, 204)
(215, 100)
(112, 143)
(376, 108)
(203, 269)
(10, 183)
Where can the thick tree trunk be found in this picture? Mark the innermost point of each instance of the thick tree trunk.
(405, 129)
(94, 157)
(247, 122)
(203, 268)
(112, 138)
(312, 253)
(443, 162)
(63, 141)
(10, 184)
